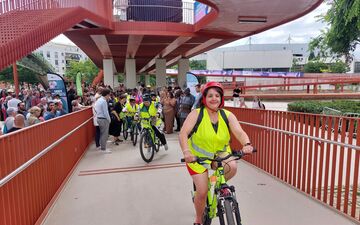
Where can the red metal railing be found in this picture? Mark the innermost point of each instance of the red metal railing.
(102, 8)
(318, 155)
(25, 197)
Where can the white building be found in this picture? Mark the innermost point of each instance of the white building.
(60, 55)
(262, 58)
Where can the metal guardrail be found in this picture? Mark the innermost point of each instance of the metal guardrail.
(39, 155)
(163, 11)
(303, 136)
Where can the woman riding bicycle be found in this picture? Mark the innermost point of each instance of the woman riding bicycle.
(211, 137)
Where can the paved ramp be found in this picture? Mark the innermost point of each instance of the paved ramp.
(121, 189)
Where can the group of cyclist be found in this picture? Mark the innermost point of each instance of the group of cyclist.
(205, 133)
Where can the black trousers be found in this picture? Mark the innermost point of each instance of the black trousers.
(177, 123)
(97, 136)
(160, 135)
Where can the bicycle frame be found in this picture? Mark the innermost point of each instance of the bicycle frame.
(146, 125)
(219, 174)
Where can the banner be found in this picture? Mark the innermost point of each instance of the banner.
(78, 84)
(57, 87)
(191, 81)
(239, 73)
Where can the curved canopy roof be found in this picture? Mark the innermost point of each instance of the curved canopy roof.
(229, 20)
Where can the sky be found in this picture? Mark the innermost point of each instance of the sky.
(298, 31)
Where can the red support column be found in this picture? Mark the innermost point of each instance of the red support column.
(16, 79)
(308, 89)
(315, 89)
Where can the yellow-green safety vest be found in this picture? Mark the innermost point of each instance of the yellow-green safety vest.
(131, 110)
(205, 142)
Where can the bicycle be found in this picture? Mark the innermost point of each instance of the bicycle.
(149, 142)
(134, 130)
(221, 197)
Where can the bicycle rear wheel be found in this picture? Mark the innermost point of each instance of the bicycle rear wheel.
(225, 206)
(135, 134)
(146, 147)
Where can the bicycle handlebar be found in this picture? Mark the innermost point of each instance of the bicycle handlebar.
(237, 154)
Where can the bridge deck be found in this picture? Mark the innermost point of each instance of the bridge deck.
(119, 188)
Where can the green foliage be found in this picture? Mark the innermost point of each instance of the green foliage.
(315, 67)
(343, 35)
(311, 56)
(339, 67)
(316, 107)
(121, 78)
(321, 67)
(87, 68)
(29, 68)
(199, 65)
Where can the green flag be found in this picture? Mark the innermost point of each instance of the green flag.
(78, 84)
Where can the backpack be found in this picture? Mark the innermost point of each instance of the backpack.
(201, 115)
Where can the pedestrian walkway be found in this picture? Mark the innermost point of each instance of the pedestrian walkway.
(120, 188)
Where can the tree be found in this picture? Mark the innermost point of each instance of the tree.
(315, 67)
(30, 68)
(87, 68)
(199, 65)
(339, 67)
(343, 34)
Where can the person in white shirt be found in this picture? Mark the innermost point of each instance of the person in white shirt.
(103, 118)
(13, 102)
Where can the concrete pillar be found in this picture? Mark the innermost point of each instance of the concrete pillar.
(160, 72)
(184, 67)
(130, 71)
(147, 79)
(108, 65)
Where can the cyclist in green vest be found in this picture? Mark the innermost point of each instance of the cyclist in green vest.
(211, 136)
(130, 109)
(148, 110)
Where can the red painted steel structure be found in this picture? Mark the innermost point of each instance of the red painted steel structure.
(27, 24)
(28, 195)
(91, 26)
(324, 171)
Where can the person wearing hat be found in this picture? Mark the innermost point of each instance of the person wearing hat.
(148, 110)
(216, 124)
(9, 122)
(130, 109)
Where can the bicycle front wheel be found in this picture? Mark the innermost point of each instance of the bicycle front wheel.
(146, 147)
(125, 133)
(228, 210)
(135, 134)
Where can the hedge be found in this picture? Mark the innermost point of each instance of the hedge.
(317, 107)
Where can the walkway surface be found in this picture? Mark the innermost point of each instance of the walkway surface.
(121, 189)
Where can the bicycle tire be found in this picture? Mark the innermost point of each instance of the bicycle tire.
(237, 212)
(150, 151)
(125, 133)
(135, 135)
(225, 207)
(229, 212)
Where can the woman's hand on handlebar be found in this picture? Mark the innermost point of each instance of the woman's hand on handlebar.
(189, 158)
(248, 149)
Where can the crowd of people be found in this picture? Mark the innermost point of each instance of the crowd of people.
(34, 105)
